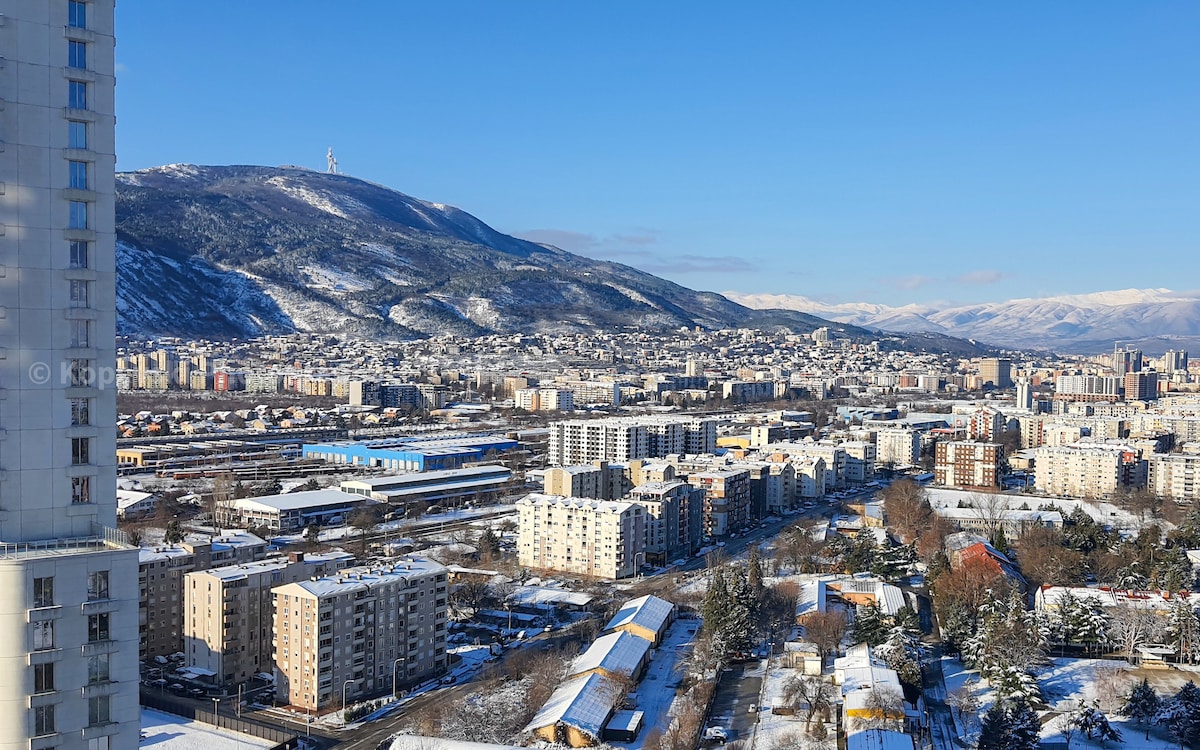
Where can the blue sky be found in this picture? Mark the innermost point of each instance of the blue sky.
(889, 152)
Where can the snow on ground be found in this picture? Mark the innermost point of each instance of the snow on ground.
(1102, 512)
(165, 731)
(1064, 682)
(655, 693)
(773, 728)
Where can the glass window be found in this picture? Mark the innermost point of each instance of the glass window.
(79, 254)
(43, 635)
(80, 451)
(97, 585)
(79, 293)
(98, 710)
(98, 743)
(98, 627)
(80, 372)
(80, 415)
(77, 134)
(77, 95)
(43, 678)
(78, 217)
(43, 720)
(77, 14)
(81, 490)
(98, 669)
(80, 334)
(78, 174)
(43, 592)
(77, 55)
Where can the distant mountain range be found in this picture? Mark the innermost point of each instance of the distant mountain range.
(1153, 319)
(235, 251)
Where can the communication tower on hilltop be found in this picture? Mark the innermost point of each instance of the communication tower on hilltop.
(332, 161)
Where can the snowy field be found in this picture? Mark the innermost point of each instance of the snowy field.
(163, 731)
(1064, 682)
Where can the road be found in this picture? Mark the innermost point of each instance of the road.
(941, 721)
(737, 690)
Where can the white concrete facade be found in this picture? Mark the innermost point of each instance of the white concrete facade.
(68, 614)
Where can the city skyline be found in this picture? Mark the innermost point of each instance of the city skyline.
(959, 154)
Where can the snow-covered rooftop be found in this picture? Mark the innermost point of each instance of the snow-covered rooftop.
(648, 612)
(584, 703)
(616, 653)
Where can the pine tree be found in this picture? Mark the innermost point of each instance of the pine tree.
(755, 572)
(1094, 724)
(994, 732)
(870, 626)
(1024, 727)
(1183, 630)
(1181, 715)
(1142, 704)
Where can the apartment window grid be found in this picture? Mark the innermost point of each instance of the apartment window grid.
(99, 710)
(43, 678)
(43, 720)
(80, 334)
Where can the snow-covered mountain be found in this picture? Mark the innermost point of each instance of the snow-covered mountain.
(224, 251)
(1155, 319)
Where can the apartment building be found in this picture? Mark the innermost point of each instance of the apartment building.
(67, 643)
(1174, 475)
(622, 439)
(227, 612)
(996, 372)
(897, 447)
(1141, 386)
(359, 632)
(160, 583)
(674, 519)
(1087, 471)
(861, 456)
(967, 465)
(600, 480)
(604, 539)
(726, 500)
(544, 399)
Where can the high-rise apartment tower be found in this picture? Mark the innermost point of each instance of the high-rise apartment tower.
(68, 581)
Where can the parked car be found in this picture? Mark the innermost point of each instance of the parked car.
(716, 734)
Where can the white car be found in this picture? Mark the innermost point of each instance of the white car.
(716, 734)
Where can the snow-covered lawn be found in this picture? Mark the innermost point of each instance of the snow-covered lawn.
(165, 731)
(1064, 682)
(774, 728)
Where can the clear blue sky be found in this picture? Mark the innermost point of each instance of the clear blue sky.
(890, 152)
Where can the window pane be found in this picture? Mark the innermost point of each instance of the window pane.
(77, 134)
(97, 710)
(81, 490)
(97, 668)
(43, 720)
(79, 175)
(79, 293)
(98, 627)
(77, 55)
(43, 678)
(79, 254)
(43, 592)
(77, 95)
(80, 449)
(77, 14)
(78, 218)
(43, 635)
(98, 585)
(80, 334)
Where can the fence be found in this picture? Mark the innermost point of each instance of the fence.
(284, 739)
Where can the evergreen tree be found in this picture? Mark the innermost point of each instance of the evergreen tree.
(1094, 724)
(1183, 630)
(994, 733)
(1024, 727)
(1142, 704)
(1181, 715)
(755, 572)
(870, 626)
(175, 533)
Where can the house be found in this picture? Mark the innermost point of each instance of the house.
(646, 617)
(619, 654)
(576, 713)
(879, 739)
(803, 656)
(132, 504)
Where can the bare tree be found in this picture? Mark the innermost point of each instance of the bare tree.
(1068, 716)
(907, 508)
(810, 694)
(886, 709)
(964, 700)
(990, 508)
(1110, 683)
(1132, 627)
(826, 630)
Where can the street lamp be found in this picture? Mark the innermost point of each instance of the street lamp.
(395, 664)
(215, 701)
(345, 685)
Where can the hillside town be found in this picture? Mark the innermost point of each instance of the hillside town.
(736, 537)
